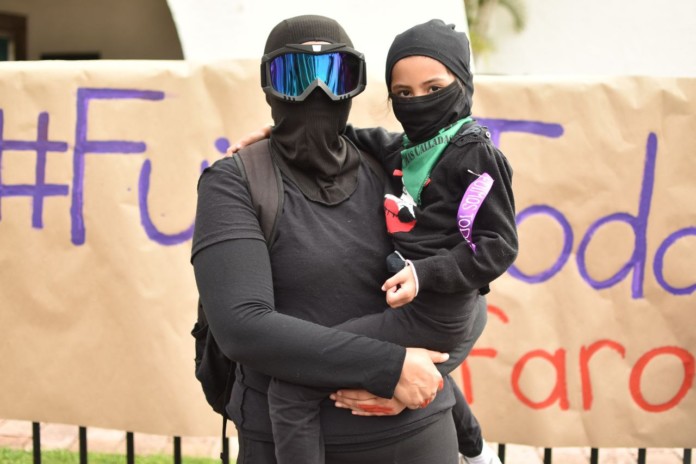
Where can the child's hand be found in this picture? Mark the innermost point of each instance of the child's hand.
(400, 288)
(252, 137)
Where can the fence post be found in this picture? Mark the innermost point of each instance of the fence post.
(130, 448)
(547, 455)
(225, 453)
(177, 450)
(36, 441)
(83, 445)
(594, 456)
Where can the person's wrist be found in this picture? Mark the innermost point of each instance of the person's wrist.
(393, 369)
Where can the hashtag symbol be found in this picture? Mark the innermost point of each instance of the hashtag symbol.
(39, 190)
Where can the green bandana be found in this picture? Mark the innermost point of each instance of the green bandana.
(417, 161)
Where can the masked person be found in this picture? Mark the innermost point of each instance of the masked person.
(451, 212)
(271, 310)
(448, 172)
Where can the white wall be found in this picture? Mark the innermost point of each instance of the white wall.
(221, 29)
(118, 29)
(629, 37)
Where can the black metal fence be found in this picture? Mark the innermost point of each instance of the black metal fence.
(177, 456)
(82, 438)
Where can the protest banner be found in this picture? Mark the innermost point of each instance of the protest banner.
(590, 339)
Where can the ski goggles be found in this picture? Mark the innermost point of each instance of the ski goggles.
(294, 71)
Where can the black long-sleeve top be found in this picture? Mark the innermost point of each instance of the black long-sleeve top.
(271, 311)
(444, 262)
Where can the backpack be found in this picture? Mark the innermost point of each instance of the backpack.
(214, 370)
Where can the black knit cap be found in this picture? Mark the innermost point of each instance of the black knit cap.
(306, 28)
(436, 40)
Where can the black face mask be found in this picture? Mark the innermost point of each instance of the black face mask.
(423, 117)
(307, 136)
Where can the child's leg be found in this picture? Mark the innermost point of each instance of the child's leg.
(471, 443)
(434, 321)
(462, 350)
(403, 328)
(294, 411)
(468, 430)
(469, 437)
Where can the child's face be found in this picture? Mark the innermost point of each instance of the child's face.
(415, 76)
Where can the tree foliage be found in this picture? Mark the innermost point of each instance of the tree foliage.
(479, 14)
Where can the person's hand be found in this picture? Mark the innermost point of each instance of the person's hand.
(420, 380)
(254, 136)
(401, 287)
(364, 403)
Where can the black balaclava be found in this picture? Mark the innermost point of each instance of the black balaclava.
(422, 117)
(307, 134)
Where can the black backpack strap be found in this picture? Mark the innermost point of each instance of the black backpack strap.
(265, 185)
(473, 132)
(225, 452)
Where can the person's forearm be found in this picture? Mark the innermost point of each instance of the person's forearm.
(459, 269)
(234, 281)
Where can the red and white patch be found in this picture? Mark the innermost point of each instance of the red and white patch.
(391, 215)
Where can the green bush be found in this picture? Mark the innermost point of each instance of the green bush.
(14, 456)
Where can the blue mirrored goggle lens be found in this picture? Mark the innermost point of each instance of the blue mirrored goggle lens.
(292, 73)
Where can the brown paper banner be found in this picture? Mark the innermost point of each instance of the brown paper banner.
(590, 340)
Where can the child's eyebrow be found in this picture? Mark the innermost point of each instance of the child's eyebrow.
(435, 79)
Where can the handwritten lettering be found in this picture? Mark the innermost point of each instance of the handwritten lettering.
(84, 146)
(559, 392)
(39, 190)
(559, 362)
(638, 223)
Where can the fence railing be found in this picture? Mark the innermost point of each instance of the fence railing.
(177, 455)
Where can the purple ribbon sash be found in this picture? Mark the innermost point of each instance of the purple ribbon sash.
(470, 204)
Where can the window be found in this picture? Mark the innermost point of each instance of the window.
(13, 37)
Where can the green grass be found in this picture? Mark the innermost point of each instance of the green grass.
(13, 456)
